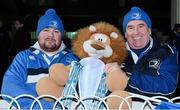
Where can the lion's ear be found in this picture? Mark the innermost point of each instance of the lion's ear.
(92, 28)
(114, 35)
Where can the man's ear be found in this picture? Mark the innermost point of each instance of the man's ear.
(150, 32)
(125, 35)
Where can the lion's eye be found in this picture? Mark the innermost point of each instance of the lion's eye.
(101, 38)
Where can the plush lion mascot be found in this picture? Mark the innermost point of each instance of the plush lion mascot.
(96, 45)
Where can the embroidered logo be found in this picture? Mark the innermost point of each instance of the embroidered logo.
(136, 16)
(69, 60)
(154, 63)
(64, 52)
(53, 24)
(32, 57)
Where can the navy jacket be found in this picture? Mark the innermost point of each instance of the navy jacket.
(154, 71)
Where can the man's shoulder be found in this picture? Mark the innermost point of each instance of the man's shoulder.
(169, 47)
(28, 52)
(23, 52)
(163, 50)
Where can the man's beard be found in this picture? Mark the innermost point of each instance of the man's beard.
(51, 48)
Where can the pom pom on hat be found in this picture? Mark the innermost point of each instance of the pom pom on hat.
(50, 19)
(136, 14)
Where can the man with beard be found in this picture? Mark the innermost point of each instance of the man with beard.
(32, 64)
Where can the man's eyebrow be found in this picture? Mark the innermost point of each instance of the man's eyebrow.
(141, 24)
(129, 25)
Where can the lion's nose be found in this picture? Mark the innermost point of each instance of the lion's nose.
(98, 47)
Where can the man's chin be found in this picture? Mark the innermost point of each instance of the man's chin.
(50, 49)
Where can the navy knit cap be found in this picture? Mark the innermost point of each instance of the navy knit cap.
(136, 14)
(50, 19)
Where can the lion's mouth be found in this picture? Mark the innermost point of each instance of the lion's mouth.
(98, 46)
(97, 49)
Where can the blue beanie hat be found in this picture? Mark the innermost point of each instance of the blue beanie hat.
(50, 19)
(136, 14)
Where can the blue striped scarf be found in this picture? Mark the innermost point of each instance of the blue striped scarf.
(70, 90)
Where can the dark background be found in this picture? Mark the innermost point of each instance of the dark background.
(75, 14)
(78, 13)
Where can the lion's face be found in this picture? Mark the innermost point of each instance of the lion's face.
(98, 46)
(100, 40)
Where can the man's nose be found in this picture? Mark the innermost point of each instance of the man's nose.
(136, 31)
(51, 33)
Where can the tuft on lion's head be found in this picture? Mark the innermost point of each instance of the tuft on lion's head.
(101, 40)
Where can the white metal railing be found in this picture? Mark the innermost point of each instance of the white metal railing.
(148, 104)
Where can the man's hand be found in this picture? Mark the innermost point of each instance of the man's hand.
(110, 67)
(116, 78)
